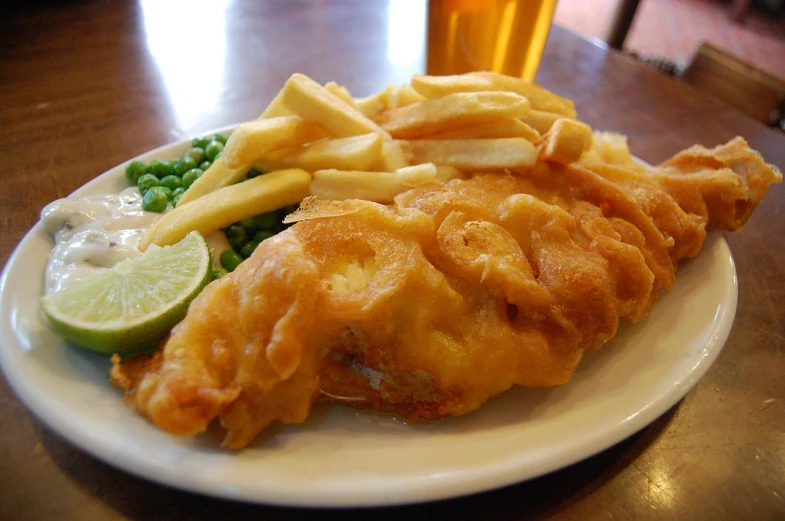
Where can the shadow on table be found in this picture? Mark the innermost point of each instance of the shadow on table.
(136, 498)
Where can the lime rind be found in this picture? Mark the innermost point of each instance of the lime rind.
(131, 307)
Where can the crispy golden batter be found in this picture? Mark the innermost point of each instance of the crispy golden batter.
(454, 293)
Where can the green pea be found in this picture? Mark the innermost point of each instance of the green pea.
(220, 272)
(177, 191)
(213, 149)
(230, 259)
(204, 165)
(200, 142)
(134, 170)
(237, 236)
(177, 164)
(156, 199)
(159, 168)
(181, 166)
(253, 173)
(248, 225)
(197, 154)
(146, 182)
(190, 176)
(176, 198)
(262, 235)
(247, 250)
(220, 138)
(265, 220)
(172, 182)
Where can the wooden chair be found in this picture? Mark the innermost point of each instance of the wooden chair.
(738, 84)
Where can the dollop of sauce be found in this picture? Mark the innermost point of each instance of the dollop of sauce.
(93, 234)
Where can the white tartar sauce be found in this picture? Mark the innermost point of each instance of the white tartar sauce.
(93, 234)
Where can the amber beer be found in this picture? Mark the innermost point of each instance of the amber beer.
(505, 36)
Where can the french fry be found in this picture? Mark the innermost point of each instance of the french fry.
(253, 139)
(540, 121)
(313, 132)
(417, 175)
(394, 156)
(402, 96)
(565, 142)
(444, 173)
(392, 97)
(438, 86)
(372, 105)
(540, 98)
(340, 91)
(445, 128)
(215, 177)
(408, 96)
(275, 108)
(475, 154)
(608, 147)
(506, 127)
(314, 103)
(462, 109)
(230, 204)
(276, 160)
(349, 153)
(380, 187)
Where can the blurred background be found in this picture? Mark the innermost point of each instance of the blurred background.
(674, 29)
(733, 50)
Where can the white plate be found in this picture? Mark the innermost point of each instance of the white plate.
(341, 457)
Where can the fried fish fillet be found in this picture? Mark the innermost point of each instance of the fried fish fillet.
(430, 306)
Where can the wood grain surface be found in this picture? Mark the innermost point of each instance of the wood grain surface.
(86, 85)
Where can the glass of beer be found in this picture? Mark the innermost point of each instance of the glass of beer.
(505, 36)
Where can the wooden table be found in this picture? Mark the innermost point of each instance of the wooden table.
(88, 84)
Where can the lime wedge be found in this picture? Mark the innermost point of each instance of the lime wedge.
(132, 306)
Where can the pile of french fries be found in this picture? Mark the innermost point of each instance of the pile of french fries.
(318, 140)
